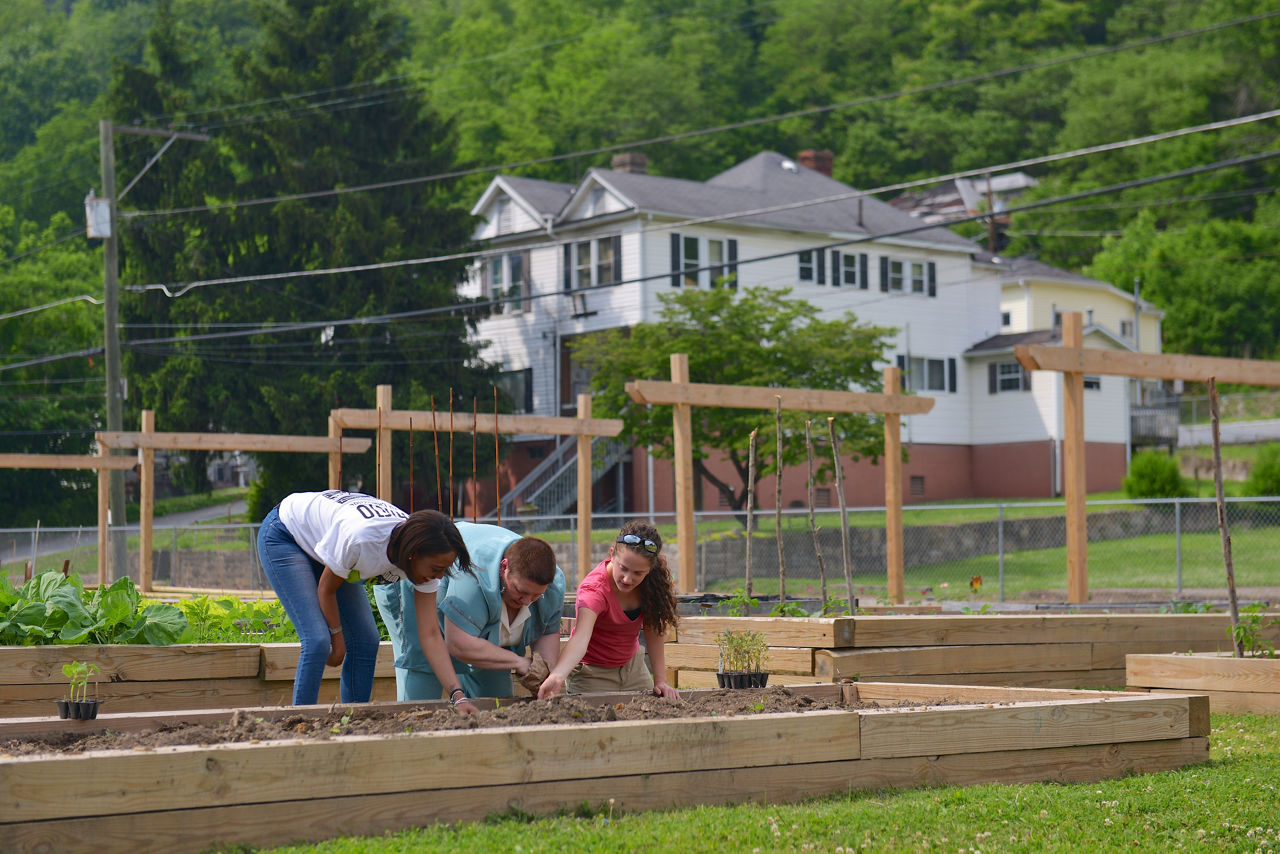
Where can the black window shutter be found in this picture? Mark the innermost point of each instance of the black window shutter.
(884, 273)
(862, 271)
(568, 266)
(822, 266)
(733, 263)
(836, 272)
(675, 260)
(486, 276)
(1026, 380)
(526, 276)
(933, 279)
(951, 375)
(617, 258)
(993, 381)
(902, 372)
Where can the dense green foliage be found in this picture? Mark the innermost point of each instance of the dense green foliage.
(302, 96)
(1155, 474)
(1264, 472)
(53, 609)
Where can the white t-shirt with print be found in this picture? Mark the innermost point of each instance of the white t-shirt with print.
(347, 532)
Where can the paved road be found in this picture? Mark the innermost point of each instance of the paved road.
(16, 548)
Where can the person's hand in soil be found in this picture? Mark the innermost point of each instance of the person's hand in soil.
(552, 685)
(337, 651)
(466, 707)
(537, 670)
(662, 689)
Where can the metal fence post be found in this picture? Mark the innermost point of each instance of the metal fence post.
(1000, 545)
(1177, 539)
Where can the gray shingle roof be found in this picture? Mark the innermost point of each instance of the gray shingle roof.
(548, 197)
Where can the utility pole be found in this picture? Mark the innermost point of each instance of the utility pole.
(111, 308)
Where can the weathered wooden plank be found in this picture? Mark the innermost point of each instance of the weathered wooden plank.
(1148, 365)
(707, 679)
(280, 662)
(234, 442)
(466, 422)
(189, 830)
(921, 692)
(759, 397)
(1105, 679)
(702, 656)
(836, 664)
(38, 787)
(66, 461)
(876, 631)
(1111, 656)
(21, 665)
(1208, 672)
(1236, 702)
(815, 632)
(931, 732)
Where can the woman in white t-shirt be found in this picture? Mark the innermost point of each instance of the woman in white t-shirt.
(318, 548)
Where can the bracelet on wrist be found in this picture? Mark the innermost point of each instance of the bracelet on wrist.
(455, 692)
(460, 699)
(333, 631)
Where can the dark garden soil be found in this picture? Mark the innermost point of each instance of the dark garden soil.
(244, 727)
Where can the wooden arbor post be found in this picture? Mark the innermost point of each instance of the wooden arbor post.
(1076, 360)
(684, 395)
(893, 550)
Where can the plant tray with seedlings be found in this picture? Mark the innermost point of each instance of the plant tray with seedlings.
(188, 797)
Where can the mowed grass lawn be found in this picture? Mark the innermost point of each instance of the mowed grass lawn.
(1231, 803)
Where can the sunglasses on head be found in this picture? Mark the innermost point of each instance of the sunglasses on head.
(635, 540)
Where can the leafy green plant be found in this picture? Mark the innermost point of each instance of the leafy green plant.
(53, 609)
(788, 609)
(743, 651)
(78, 673)
(1153, 474)
(231, 620)
(1248, 632)
(739, 604)
(1264, 473)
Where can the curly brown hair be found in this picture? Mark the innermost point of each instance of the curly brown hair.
(657, 591)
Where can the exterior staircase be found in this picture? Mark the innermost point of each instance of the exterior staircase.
(552, 486)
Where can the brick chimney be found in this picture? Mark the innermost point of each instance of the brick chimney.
(817, 159)
(635, 162)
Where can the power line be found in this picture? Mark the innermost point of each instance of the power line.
(808, 111)
(456, 307)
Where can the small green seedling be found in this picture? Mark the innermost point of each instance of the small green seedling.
(78, 673)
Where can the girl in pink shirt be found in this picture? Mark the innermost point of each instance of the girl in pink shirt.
(626, 593)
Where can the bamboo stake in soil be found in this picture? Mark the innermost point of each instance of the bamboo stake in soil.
(844, 514)
(777, 510)
(410, 463)
(1236, 642)
(751, 503)
(813, 526)
(435, 433)
(451, 501)
(497, 479)
(475, 478)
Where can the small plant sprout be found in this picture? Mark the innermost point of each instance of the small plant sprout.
(739, 604)
(78, 673)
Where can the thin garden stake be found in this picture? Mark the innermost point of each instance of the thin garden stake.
(410, 463)
(475, 479)
(1237, 642)
(751, 502)
(451, 502)
(844, 513)
(497, 479)
(435, 434)
(813, 526)
(777, 511)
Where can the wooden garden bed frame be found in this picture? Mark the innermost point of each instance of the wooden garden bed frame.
(1030, 650)
(1237, 686)
(178, 799)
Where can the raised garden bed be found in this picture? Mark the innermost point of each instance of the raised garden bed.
(1237, 686)
(1028, 650)
(188, 798)
(140, 678)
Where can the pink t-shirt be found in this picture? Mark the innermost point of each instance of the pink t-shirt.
(615, 638)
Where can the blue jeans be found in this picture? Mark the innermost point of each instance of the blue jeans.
(295, 577)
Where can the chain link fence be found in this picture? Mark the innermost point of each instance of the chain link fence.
(1157, 550)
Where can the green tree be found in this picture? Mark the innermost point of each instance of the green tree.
(760, 337)
(294, 140)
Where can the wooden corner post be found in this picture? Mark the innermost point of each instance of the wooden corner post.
(683, 447)
(384, 442)
(584, 491)
(335, 457)
(147, 506)
(1073, 468)
(893, 491)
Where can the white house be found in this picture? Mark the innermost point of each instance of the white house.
(575, 259)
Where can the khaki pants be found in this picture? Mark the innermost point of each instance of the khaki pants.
(591, 678)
